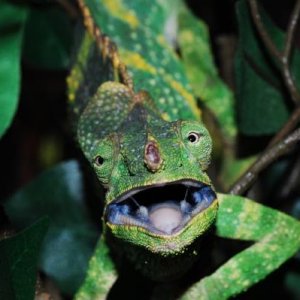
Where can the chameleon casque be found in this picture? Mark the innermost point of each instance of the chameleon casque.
(139, 126)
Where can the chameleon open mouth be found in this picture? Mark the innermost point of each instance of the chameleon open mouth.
(162, 209)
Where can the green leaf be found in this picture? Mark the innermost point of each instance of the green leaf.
(48, 38)
(202, 73)
(261, 105)
(18, 262)
(58, 193)
(12, 19)
(232, 168)
(292, 282)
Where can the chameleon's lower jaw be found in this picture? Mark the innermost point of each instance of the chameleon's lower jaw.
(161, 209)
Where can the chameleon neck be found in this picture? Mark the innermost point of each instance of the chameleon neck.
(167, 268)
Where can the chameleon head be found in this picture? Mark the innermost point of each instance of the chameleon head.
(159, 196)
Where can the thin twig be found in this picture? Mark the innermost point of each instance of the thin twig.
(247, 178)
(282, 57)
(286, 57)
(287, 128)
(292, 180)
(290, 83)
(69, 7)
(279, 144)
(267, 157)
(262, 31)
(291, 30)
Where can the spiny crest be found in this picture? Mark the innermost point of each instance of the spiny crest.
(152, 64)
(107, 46)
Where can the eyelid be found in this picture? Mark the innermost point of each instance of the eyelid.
(99, 160)
(194, 137)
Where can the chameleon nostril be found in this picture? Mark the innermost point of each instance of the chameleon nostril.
(152, 156)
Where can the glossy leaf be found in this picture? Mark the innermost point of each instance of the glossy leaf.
(12, 20)
(261, 96)
(48, 38)
(69, 243)
(292, 282)
(18, 262)
(233, 168)
(202, 73)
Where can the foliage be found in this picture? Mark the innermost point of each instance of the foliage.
(47, 39)
(40, 34)
(195, 44)
(71, 236)
(19, 255)
(267, 111)
(12, 20)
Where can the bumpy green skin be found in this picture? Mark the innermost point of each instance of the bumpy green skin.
(194, 43)
(276, 238)
(115, 122)
(152, 63)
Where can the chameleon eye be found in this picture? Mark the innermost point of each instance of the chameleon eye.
(193, 137)
(99, 160)
(104, 157)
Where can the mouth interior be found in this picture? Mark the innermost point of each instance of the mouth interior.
(161, 209)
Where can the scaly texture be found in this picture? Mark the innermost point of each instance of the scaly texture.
(197, 58)
(138, 125)
(151, 62)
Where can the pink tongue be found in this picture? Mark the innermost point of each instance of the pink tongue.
(166, 218)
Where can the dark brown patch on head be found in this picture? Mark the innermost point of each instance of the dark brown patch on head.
(152, 157)
(140, 97)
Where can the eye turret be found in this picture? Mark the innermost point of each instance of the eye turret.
(104, 158)
(194, 137)
(99, 160)
(197, 141)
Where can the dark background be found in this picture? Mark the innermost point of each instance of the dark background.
(40, 136)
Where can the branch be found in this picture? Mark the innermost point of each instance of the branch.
(279, 145)
(291, 30)
(282, 57)
(262, 31)
(286, 57)
(266, 158)
(69, 7)
(287, 128)
(291, 181)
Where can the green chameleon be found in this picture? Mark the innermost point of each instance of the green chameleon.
(138, 125)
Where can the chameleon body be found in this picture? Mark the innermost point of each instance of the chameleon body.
(140, 129)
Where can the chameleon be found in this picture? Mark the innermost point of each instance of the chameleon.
(139, 126)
